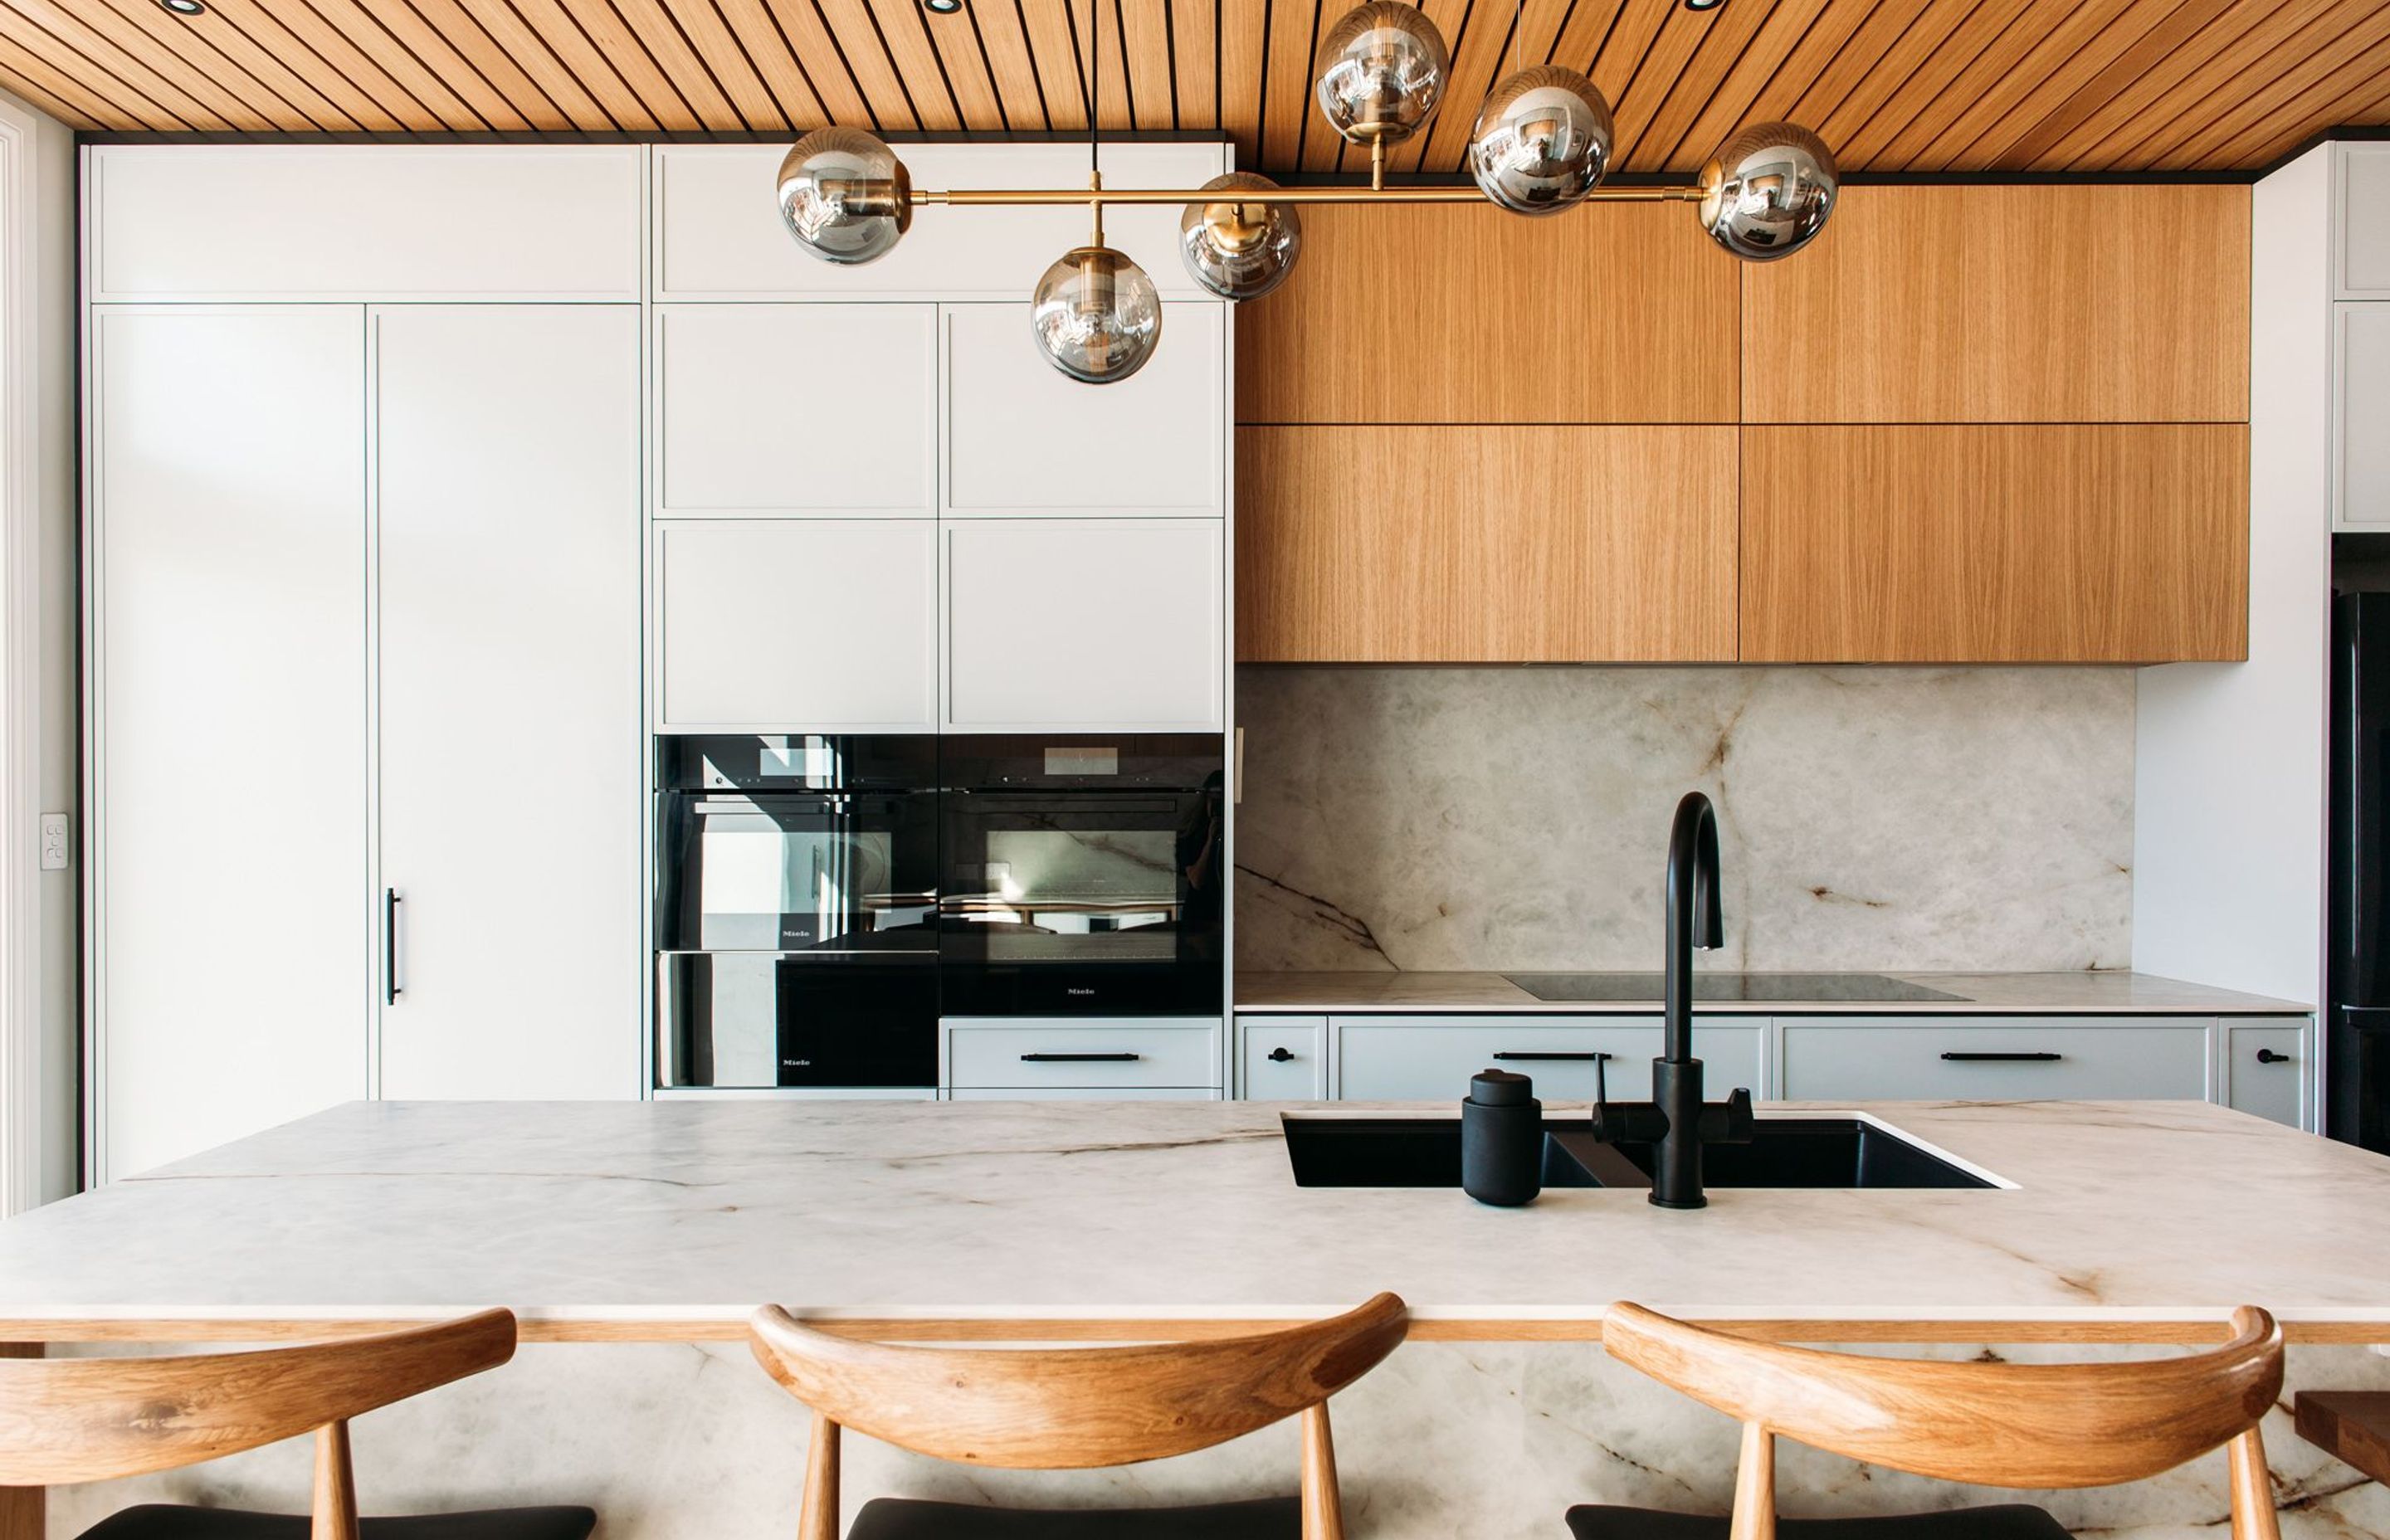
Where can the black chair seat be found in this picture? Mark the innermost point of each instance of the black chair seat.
(905, 1519)
(175, 1522)
(2002, 1522)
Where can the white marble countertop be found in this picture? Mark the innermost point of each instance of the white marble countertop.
(2075, 994)
(672, 1220)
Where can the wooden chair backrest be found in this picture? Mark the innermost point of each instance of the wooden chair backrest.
(2013, 1425)
(1074, 1408)
(88, 1420)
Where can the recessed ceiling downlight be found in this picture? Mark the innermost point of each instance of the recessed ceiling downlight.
(185, 7)
(1703, 5)
(942, 8)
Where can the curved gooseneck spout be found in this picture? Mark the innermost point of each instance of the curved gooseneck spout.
(1695, 919)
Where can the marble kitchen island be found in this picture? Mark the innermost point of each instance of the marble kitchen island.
(634, 1237)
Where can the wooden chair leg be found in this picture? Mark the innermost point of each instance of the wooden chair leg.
(336, 1486)
(1323, 1504)
(2253, 1489)
(1754, 1487)
(817, 1519)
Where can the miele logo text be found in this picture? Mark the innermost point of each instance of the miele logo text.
(1072, 989)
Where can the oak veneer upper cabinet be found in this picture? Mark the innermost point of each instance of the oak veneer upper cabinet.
(1432, 313)
(2093, 543)
(1494, 545)
(2007, 303)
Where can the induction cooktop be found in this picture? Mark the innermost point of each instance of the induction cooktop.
(1804, 987)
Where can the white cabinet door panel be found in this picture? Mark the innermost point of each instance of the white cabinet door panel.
(718, 233)
(1282, 1058)
(1092, 625)
(227, 510)
(796, 626)
(365, 222)
(2361, 221)
(2266, 1068)
(507, 510)
(1023, 438)
(1431, 1058)
(1994, 1058)
(2360, 408)
(797, 409)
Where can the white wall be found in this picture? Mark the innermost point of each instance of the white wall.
(2229, 842)
(42, 260)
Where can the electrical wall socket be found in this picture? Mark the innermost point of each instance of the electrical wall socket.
(54, 841)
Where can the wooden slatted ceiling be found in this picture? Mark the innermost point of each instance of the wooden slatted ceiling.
(1894, 85)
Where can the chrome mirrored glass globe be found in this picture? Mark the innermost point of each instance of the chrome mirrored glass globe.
(845, 196)
(1381, 72)
(1096, 315)
(1768, 191)
(1237, 249)
(1542, 140)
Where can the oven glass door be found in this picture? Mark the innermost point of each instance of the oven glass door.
(1081, 901)
(795, 872)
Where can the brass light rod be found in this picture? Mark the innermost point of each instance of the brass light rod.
(1001, 197)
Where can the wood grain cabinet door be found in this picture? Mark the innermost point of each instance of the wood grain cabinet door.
(2012, 544)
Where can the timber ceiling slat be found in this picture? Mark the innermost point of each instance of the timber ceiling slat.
(39, 70)
(416, 59)
(579, 57)
(113, 62)
(1195, 56)
(2011, 64)
(227, 92)
(866, 57)
(1985, 27)
(1915, 86)
(1004, 42)
(72, 116)
(371, 83)
(1243, 47)
(2241, 59)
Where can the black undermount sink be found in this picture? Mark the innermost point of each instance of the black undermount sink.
(1783, 1152)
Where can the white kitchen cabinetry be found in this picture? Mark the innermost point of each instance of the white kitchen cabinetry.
(363, 222)
(230, 921)
(1282, 1058)
(1023, 438)
(2361, 411)
(793, 409)
(2362, 221)
(718, 233)
(508, 592)
(826, 625)
(2267, 1068)
(1995, 1059)
(1084, 625)
(1028, 1056)
(1432, 1059)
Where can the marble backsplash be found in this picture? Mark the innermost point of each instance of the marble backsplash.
(1515, 818)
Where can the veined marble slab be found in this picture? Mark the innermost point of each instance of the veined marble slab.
(2075, 994)
(678, 1218)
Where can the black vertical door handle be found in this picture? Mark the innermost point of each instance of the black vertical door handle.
(390, 946)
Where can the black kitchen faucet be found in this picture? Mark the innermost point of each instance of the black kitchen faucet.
(1676, 1123)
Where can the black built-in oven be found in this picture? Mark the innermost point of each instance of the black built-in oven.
(796, 911)
(1081, 876)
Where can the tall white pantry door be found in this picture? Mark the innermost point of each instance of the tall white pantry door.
(506, 521)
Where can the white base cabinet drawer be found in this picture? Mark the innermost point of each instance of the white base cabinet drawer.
(1994, 1058)
(2265, 1065)
(1086, 1093)
(1431, 1058)
(1029, 1054)
(1282, 1058)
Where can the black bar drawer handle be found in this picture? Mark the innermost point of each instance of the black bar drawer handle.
(2003, 1057)
(1078, 1059)
(2268, 1056)
(1550, 1057)
(392, 899)
(1282, 1055)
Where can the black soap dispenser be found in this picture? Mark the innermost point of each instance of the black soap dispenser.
(1501, 1139)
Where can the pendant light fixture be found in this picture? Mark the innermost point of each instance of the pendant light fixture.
(1238, 249)
(1096, 315)
(1542, 142)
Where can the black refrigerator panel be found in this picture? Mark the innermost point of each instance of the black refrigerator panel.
(2356, 1022)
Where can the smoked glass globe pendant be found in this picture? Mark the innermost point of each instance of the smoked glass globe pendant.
(1096, 315)
(1381, 72)
(1542, 141)
(1236, 248)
